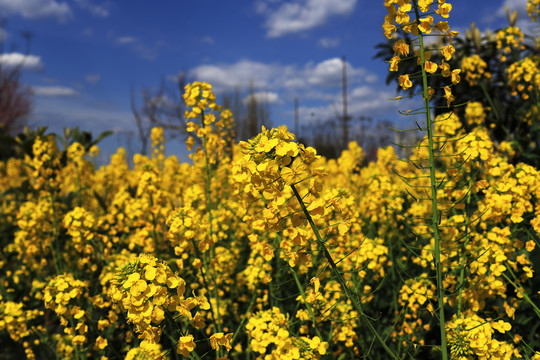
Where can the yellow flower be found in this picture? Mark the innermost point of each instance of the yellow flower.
(447, 51)
(295, 172)
(220, 339)
(448, 95)
(186, 344)
(401, 48)
(320, 346)
(138, 287)
(424, 5)
(425, 24)
(132, 279)
(404, 81)
(455, 76)
(431, 67)
(442, 26)
(389, 30)
(394, 63)
(101, 343)
(444, 9)
(150, 272)
(78, 340)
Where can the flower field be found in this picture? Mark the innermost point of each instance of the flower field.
(265, 250)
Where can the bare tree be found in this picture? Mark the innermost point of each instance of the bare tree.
(345, 118)
(369, 133)
(15, 99)
(250, 112)
(163, 108)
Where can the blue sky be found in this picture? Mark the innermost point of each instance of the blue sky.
(86, 55)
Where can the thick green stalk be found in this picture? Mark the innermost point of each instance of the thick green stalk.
(433, 186)
(354, 301)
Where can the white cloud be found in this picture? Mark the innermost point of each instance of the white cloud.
(294, 83)
(144, 51)
(93, 78)
(361, 92)
(519, 5)
(301, 15)
(60, 112)
(316, 85)
(311, 80)
(36, 8)
(327, 42)
(263, 97)
(366, 100)
(126, 39)
(329, 73)
(371, 78)
(208, 40)
(240, 74)
(53, 91)
(26, 62)
(96, 10)
(362, 101)
(524, 23)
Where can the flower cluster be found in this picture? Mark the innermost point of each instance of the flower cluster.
(63, 295)
(399, 16)
(471, 336)
(533, 9)
(34, 236)
(274, 165)
(158, 142)
(474, 69)
(15, 320)
(269, 335)
(80, 224)
(146, 289)
(199, 97)
(509, 38)
(524, 77)
(274, 161)
(474, 114)
(44, 162)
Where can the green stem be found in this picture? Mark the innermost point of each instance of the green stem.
(79, 187)
(77, 347)
(525, 296)
(172, 328)
(491, 104)
(55, 250)
(433, 186)
(356, 304)
(308, 307)
(210, 220)
(244, 318)
(464, 248)
(205, 282)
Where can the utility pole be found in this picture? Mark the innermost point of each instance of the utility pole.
(296, 130)
(345, 119)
